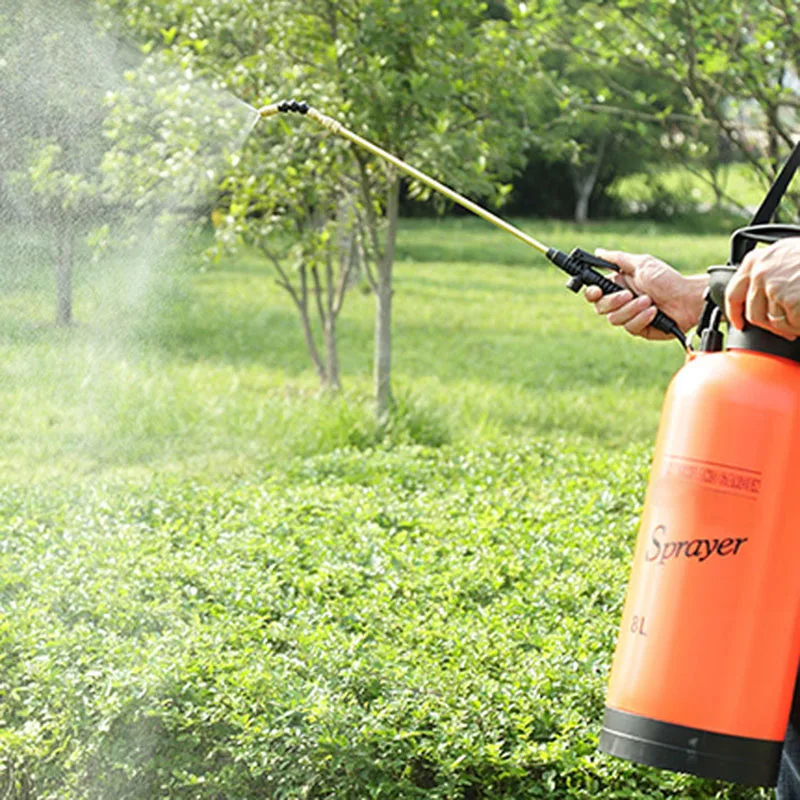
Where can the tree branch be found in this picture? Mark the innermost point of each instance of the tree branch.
(284, 282)
(687, 165)
(371, 223)
(329, 284)
(368, 261)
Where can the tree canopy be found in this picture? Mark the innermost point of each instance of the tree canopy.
(725, 75)
(435, 85)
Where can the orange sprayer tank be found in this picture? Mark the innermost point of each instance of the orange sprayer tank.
(709, 643)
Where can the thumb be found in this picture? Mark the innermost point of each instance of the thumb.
(626, 262)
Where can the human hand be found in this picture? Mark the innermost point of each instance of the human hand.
(765, 290)
(657, 285)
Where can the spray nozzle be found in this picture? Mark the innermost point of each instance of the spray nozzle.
(294, 106)
(284, 107)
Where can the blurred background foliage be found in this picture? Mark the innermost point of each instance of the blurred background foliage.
(576, 110)
(574, 96)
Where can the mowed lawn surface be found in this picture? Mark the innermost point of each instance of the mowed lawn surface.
(170, 363)
(217, 583)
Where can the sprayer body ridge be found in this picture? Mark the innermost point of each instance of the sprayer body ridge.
(708, 646)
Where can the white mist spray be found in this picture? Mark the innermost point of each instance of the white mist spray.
(109, 160)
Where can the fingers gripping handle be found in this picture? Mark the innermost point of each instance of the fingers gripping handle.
(579, 264)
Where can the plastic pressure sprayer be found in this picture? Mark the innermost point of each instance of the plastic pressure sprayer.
(708, 647)
(707, 655)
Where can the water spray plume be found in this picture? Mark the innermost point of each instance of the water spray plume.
(579, 264)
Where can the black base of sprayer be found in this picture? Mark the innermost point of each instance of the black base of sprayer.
(739, 759)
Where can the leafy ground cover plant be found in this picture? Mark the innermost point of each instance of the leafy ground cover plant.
(408, 623)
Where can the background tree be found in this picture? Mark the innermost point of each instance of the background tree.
(52, 145)
(440, 92)
(284, 193)
(586, 112)
(296, 204)
(734, 67)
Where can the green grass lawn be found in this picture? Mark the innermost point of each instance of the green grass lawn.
(167, 367)
(216, 582)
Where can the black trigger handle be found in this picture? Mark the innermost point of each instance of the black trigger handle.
(582, 267)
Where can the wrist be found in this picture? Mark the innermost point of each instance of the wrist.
(693, 297)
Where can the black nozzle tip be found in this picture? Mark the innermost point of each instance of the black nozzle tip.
(293, 106)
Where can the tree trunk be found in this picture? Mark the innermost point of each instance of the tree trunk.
(64, 270)
(584, 184)
(383, 349)
(715, 170)
(583, 189)
(311, 346)
(331, 356)
(383, 319)
(301, 301)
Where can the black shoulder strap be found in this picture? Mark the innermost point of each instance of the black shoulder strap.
(778, 189)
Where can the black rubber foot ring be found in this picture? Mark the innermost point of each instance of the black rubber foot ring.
(739, 759)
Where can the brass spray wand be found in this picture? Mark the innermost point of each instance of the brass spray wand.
(579, 264)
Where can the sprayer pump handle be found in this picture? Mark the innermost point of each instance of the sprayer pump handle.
(742, 242)
(581, 265)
